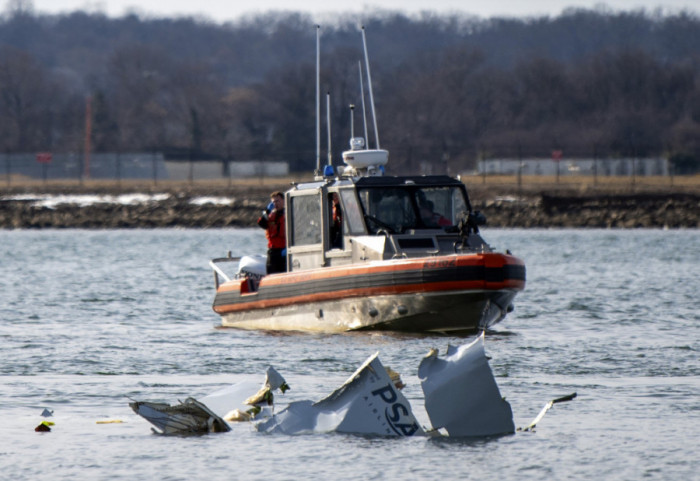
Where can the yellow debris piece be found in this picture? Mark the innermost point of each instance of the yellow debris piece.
(395, 377)
(238, 416)
(264, 395)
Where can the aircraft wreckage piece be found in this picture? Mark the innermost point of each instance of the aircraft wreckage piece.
(547, 407)
(461, 394)
(188, 417)
(461, 399)
(233, 403)
(367, 403)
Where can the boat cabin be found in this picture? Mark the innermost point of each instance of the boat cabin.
(351, 220)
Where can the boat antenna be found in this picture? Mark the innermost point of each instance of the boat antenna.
(362, 96)
(328, 123)
(318, 99)
(352, 121)
(369, 82)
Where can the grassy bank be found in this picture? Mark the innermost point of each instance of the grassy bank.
(479, 186)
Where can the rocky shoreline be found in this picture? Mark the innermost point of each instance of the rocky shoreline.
(538, 210)
(597, 211)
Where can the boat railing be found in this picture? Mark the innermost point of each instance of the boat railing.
(398, 253)
(220, 272)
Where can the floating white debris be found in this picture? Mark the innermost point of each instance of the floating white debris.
(230, 398)
(368, 403)
(238, 396)
(547, 407)
(461, 394)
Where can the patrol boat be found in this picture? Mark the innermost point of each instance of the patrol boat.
(406, 256)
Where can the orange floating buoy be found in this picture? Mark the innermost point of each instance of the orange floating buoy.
(43, 428)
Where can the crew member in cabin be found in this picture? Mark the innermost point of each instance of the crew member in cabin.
(431, 218)
(272, 220)
(336, 230)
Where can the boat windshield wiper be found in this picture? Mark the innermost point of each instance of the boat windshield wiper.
(379, 223)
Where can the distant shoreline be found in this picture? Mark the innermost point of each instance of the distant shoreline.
(505, 205)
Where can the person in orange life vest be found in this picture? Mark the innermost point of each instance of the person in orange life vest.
(336, 222)
(272, 220)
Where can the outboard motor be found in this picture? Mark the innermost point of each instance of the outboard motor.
(252, 267)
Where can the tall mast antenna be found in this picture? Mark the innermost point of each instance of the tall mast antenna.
(369, 81)
(88, 136)
(364, 110)
(328, 116)
(318, 99)
(352, 121)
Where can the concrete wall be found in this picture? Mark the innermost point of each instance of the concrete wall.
(216, 169)
(133, 165)
(129, 165)
(573, 167)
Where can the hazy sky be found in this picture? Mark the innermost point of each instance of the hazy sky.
(223, 10)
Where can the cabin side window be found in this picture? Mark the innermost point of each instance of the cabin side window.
(353, 212)
(305, 216)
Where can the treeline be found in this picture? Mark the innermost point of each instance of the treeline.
(448, 89)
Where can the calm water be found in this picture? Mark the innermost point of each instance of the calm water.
(89, 319)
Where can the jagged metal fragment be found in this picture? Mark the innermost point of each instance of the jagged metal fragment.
(209, 413)
(461, 394)
(547, 407)
(188, 417)
(238, 396)
(367, 403)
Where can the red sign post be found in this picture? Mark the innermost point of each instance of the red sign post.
(556, 157)
(44, 158)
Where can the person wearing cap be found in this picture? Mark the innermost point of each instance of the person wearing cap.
(272, 220)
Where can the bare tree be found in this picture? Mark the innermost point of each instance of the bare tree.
(25, 100)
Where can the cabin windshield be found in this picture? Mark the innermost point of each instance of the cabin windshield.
(398, 209)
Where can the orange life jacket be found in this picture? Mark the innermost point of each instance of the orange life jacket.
(276, 238)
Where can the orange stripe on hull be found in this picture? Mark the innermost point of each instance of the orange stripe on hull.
(491, 260)
(447, 286)
(430, 263)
